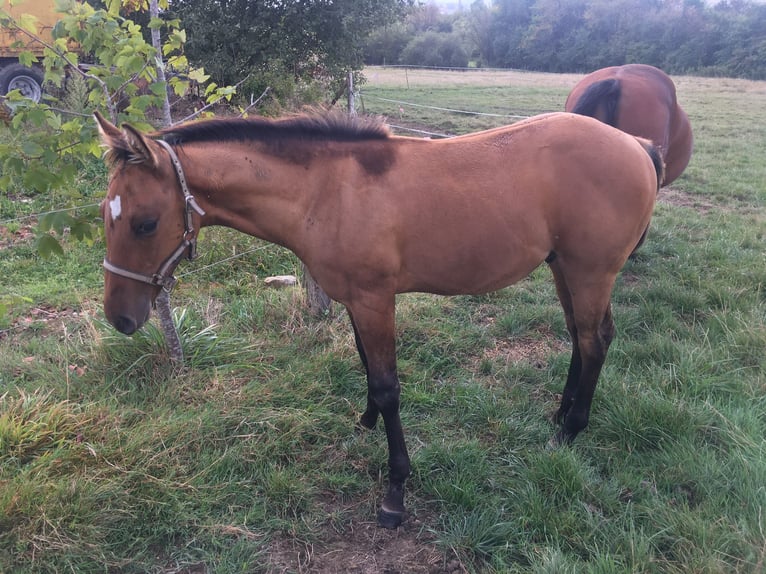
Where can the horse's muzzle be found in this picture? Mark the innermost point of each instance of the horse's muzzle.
(125, 325)
(127, 319)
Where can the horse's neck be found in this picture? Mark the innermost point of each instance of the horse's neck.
(249, 192)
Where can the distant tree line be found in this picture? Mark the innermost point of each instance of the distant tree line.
(727, 38)
(304, 49)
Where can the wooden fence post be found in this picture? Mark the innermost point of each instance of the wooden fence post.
(351, 102)
(172, 339)
(318, 302)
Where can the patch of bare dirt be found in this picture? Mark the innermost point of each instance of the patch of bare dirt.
(9, 238)
(365, 548)
(49, 320)
(533, 350)
(678, 198)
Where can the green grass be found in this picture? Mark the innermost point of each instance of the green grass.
(248, 459)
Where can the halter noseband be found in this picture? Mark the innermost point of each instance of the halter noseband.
(164, 278)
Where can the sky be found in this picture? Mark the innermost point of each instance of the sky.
(451, 5)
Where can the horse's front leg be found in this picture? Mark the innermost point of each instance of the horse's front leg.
(374, 328)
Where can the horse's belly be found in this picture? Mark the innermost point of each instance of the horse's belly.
(458, 270)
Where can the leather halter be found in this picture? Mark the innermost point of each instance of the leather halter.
(164, 276)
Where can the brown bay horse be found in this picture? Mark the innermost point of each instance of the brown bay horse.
(640, 100)
(372, 215)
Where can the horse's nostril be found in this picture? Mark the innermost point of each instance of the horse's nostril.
(125, 325)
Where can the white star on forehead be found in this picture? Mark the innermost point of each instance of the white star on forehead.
(115, 207)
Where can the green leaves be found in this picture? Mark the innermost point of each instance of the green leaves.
(47, 246)
(31, 148)
(300, 39)
(57, 221)
(48, 152)
(27, 58)
(28, 23)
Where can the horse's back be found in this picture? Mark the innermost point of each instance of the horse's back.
(496, 204)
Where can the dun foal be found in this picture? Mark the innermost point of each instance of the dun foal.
(372, 215)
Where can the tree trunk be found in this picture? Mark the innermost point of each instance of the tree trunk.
(172, 340)
(154, 12)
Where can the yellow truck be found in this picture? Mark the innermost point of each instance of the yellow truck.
(13, 74)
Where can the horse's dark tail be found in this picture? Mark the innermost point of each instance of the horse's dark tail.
(606, 94)
(659, 168)
(654, 153)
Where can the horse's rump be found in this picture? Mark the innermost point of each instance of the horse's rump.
(640, 100)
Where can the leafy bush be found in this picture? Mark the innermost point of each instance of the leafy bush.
(385, 45)
(435, 49)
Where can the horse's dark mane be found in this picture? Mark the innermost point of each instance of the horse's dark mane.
(328, 127)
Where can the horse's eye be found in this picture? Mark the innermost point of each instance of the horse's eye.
(145, 227)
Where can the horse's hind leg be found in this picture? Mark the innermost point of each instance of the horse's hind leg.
(585, 300)
(593, 345)
(575, 363)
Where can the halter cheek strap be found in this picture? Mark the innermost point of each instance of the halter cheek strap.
(189, 200)
(163, 277)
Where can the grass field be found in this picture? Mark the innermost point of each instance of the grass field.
(249, 460)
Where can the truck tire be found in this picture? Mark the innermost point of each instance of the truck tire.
(29, 81)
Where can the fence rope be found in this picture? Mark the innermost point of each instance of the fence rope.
(219, 262)
(423, 132)
(37, 215)
(451, 110)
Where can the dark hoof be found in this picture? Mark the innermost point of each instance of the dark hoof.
(368, 421)
(561, 438)
(390, 520)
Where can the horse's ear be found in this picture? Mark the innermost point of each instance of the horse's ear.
(127, 143)
(109, 132)
(141, 147)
